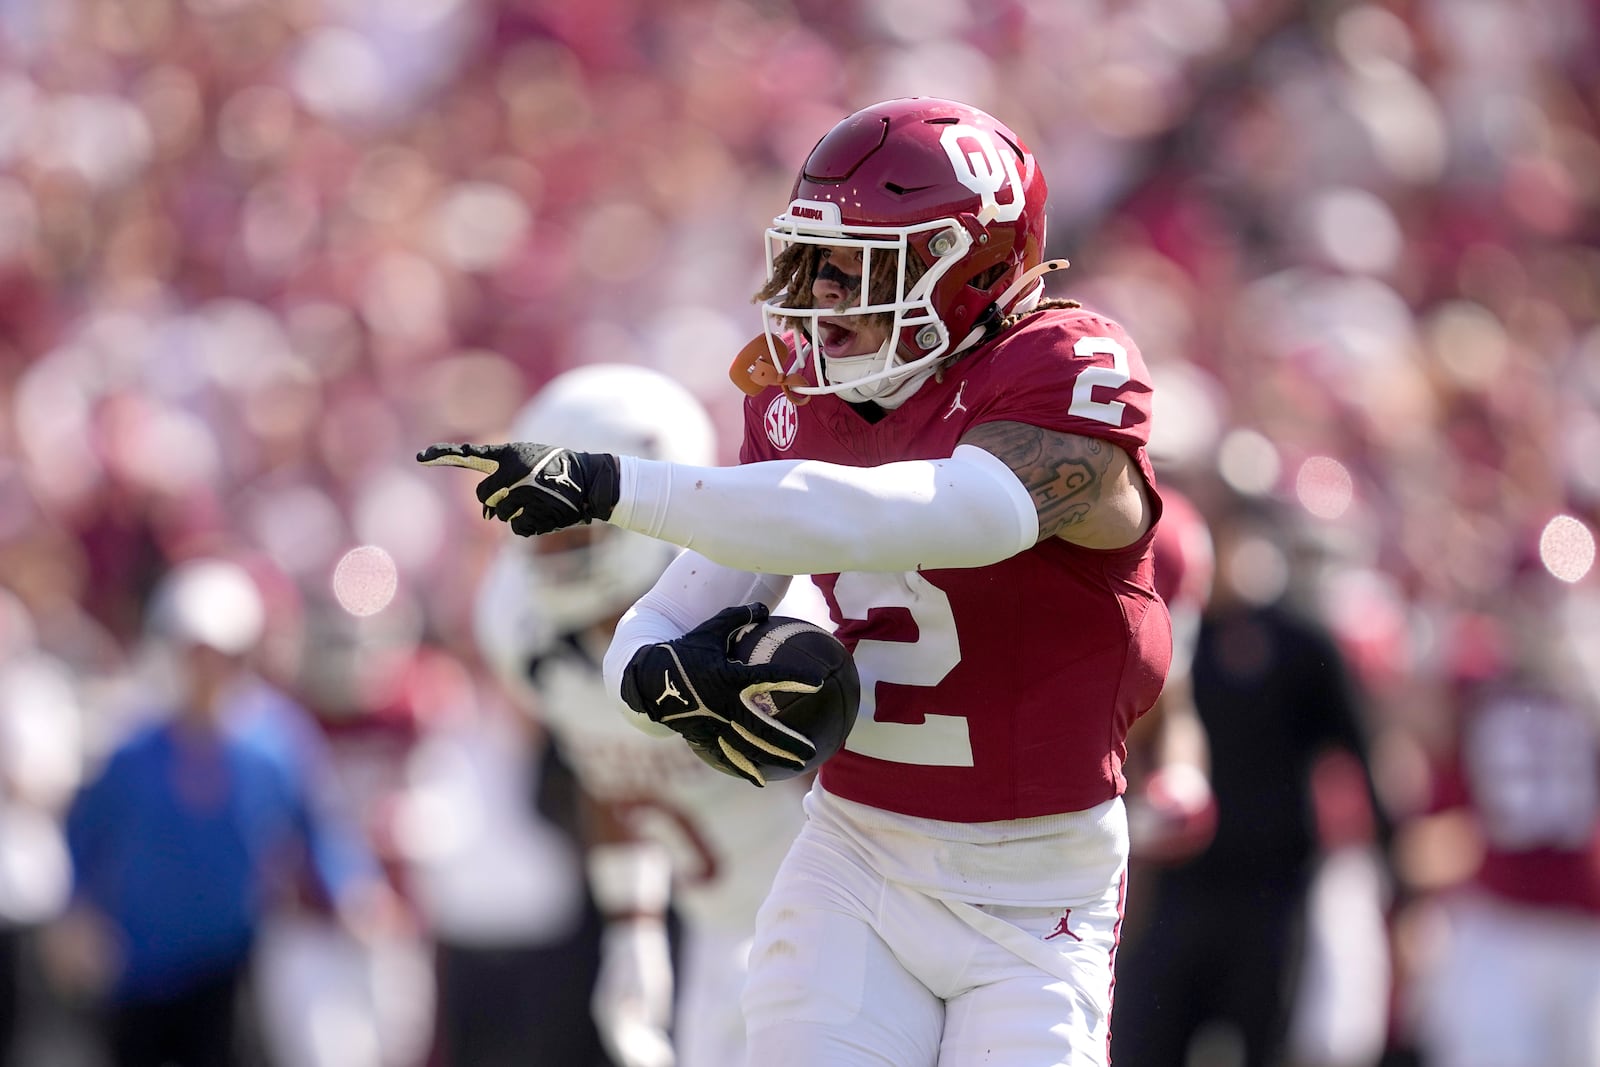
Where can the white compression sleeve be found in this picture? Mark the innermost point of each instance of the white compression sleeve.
(807, 517)
(689, 591)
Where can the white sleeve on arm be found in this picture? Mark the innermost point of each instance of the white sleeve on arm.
(808, 517)
(689, 591)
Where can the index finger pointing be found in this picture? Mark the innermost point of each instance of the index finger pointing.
(447, 455)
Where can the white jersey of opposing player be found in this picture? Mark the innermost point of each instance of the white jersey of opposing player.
(726, 838)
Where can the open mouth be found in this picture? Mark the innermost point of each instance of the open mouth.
(835, 338)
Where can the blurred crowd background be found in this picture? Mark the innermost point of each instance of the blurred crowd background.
(255, 253)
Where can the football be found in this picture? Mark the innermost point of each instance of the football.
(825, 716)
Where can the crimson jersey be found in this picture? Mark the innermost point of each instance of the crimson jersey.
(1528, 766)
(1005, 691)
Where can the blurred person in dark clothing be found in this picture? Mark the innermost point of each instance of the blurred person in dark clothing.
(195, 826)
(1222, 931)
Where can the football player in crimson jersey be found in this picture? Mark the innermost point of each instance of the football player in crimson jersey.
(962, 464)
(1506, 857)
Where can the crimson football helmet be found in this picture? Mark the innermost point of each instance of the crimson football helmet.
(942, 191)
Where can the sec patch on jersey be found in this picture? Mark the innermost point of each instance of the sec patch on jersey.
(827, 715)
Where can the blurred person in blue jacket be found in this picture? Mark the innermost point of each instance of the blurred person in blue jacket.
(198, 823)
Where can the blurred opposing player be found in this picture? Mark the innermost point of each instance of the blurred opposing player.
(661, 824)
(962, 465)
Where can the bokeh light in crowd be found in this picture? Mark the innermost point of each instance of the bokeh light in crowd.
(280, 220)
(166, 449)
(99, 138)
(52, 415)
(339, 74)
(1566, 548)
(405, 299)
(679, 338)
(472, 393)
(238, 344)
(1470, 342)
(617, 241)
(480, 224)
(1248, 462)
(298, 526)
(1355, 229)
(398, 509)
(1324, 487)
(256, 123)
(1258, 570)
(1188, 419)
(365, 580)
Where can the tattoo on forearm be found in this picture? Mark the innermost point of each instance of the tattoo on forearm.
(1064, 473)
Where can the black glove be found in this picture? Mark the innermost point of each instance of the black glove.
(719, 704)
(537, 489)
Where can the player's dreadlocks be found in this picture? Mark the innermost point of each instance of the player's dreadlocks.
(795, 269)
(1047, 304)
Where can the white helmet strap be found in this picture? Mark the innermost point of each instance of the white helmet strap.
(1029, 302)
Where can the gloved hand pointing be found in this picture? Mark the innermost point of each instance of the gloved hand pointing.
(536, 489)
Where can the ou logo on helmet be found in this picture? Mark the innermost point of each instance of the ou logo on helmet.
(982, 167)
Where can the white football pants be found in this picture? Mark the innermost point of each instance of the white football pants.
(709, 1026)
(851, 970)
(1513, 987)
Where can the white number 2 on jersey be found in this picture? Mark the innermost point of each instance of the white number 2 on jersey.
(1084, 405)
(941, 740)
(938, 740)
